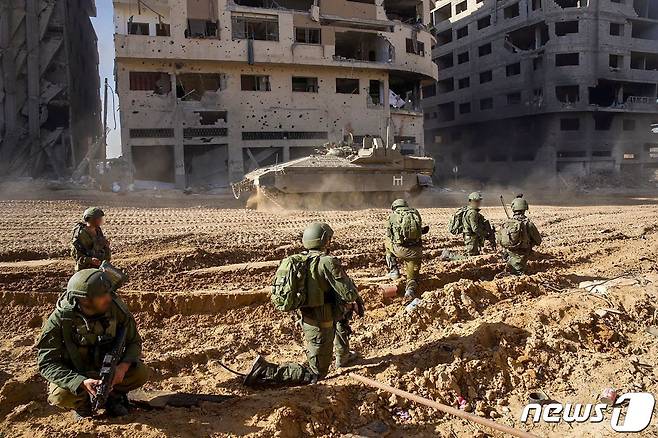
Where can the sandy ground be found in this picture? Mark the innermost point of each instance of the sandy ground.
(199, 277)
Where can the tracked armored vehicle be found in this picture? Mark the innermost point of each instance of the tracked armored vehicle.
(339, 177)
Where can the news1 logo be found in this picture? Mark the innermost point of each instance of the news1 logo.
(632, 412)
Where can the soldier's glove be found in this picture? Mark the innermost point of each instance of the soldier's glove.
(360, 307)
(425, 229)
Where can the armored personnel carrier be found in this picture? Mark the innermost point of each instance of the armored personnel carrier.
(339, 177)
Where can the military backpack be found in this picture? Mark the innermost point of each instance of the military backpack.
(407, 226)
(289, 287)
(513, 234)
(456, 225)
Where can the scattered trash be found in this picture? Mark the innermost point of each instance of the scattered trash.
(538, 397)
(608, 396)
(461, 401)
(389, 291)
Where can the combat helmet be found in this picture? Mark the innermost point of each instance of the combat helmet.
(399, 203)
(92, 213)
(89, 283)
(519, 204)
(317, 235)
(475, 196)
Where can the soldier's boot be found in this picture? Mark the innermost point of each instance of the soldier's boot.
(83, 412)
(257, 371)
(117, 405)
(393, 270)
(347, 359)
(410, 293)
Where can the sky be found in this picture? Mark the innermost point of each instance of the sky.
(104, 25)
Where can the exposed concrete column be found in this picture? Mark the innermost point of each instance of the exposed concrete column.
(179, 151)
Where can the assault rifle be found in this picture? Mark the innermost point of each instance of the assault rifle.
(108, 370)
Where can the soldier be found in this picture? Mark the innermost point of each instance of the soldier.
(331, 297)
(469, 222)
(404, 242)
(75, 338)
(89, 248)
(518, 236)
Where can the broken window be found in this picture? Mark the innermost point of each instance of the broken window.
(462, 32)
(616, 29)
(151, 133)
(375, 91)
(567, 59)
(211, 117)
(206, 164)
(465, 108)
(429, 91)
(308, 35)
(407, 11)
(159, 83)
(486, 76)
(563, 28)
(570, 124)
(513, 69)
(616, 61)
(162, 29)
(567, 93)
(462, 58)
(484, 22)
(442, 14)
(602, 121)
(646, 8)
(446, 85)
(255, 83)
(446, 112)
(284, 135)
(486, 103)
(644, 30)
(135, 28)
(416, 47)
(512, 11)
(192, 86)
(347, 86)
(644, 61)
(304, 84)
(255, 27)
(444, 37)
(445, 61)
(605, 94)
(571, 3)
(201, 28)
(484, 49)
(464, 82)
(514, 98)
(527, 38)
(362, 46)
(628, 125)
(461, 7)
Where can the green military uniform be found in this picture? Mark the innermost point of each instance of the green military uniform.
(517, 258)
(324, 324)
(86, 245)
(72, 346)
(476, 230)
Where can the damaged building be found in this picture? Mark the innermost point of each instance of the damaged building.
(49, 87)
(212, 89)
(551, 89)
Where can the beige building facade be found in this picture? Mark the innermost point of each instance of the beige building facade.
(211, 89)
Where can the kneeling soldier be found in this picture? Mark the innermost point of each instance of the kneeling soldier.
(518, 236)
(78, 334)
(331, 297)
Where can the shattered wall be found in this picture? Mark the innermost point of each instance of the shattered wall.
(250, 94)
(551, 89)
(49, 100)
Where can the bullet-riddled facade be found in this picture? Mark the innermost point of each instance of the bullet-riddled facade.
(211, 89)
(544, 89)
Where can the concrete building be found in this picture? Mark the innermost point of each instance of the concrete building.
(211, 89)
(49, 99)
(552, 89)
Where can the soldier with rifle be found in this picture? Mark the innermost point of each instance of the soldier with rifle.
(89, 349)
(89, 247)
